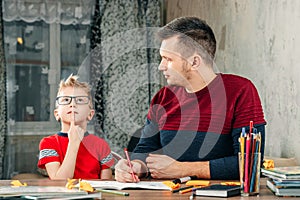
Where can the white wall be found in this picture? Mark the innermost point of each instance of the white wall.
(259, 39)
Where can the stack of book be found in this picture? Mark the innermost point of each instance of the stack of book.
(283, 181)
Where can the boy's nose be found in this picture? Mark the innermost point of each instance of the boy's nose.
(73, 102)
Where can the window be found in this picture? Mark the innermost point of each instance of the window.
(38, 55)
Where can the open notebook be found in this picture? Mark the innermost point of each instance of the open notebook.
(150, 185)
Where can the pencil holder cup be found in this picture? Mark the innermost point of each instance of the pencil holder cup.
(249, 168)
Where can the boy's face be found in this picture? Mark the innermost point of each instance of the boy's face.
(80, 113)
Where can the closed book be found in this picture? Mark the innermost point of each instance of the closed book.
(292, 172)
(287, 183)
(40, 191)
(286, 190)
(218, 190)
(281, 179)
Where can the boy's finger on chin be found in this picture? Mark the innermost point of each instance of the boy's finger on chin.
(72, 119)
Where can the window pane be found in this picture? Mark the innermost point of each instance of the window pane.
(32, 97)
(27, 62)
(75, 46)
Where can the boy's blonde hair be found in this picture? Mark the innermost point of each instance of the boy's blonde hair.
(72, 81)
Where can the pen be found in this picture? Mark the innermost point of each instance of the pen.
(184, 179)
(129, 163)
(113, 192)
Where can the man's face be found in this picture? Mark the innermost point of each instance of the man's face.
(174, 67)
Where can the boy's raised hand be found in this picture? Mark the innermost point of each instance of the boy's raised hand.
(76, 133)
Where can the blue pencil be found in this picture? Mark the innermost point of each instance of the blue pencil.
(253, 175)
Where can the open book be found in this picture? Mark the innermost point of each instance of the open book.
(150, 185)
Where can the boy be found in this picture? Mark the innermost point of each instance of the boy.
(73, 152)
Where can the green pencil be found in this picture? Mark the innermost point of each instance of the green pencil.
(113, 192)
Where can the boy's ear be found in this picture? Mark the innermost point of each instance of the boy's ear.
(56, 115)
(91, 114)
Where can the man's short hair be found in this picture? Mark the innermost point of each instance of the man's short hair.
(194, 35)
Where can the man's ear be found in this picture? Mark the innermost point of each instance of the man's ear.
(196, 62)
(56, 115)
(91, 114)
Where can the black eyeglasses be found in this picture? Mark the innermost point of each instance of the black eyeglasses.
(66, 100)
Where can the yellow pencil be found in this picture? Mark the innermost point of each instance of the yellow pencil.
(242, 151)
(189, 189)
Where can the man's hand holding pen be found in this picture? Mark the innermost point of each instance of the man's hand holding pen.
(130, 166)
(160, 166)
(123, 172)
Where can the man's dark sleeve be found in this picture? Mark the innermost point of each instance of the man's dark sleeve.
(148, 143)
(228, 168)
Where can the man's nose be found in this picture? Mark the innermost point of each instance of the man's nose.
(162, 66)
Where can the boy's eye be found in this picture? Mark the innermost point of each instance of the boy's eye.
(80, 99)
(65, 99)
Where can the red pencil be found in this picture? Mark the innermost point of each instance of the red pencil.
(251, 127)
(130, 165)
(246, 184)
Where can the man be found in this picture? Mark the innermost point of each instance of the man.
(193, 125)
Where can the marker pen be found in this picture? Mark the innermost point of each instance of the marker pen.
(184, 179)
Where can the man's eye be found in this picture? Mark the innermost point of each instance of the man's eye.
(164, 60)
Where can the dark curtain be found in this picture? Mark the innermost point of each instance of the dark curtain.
(2, 97)
(124, 60)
